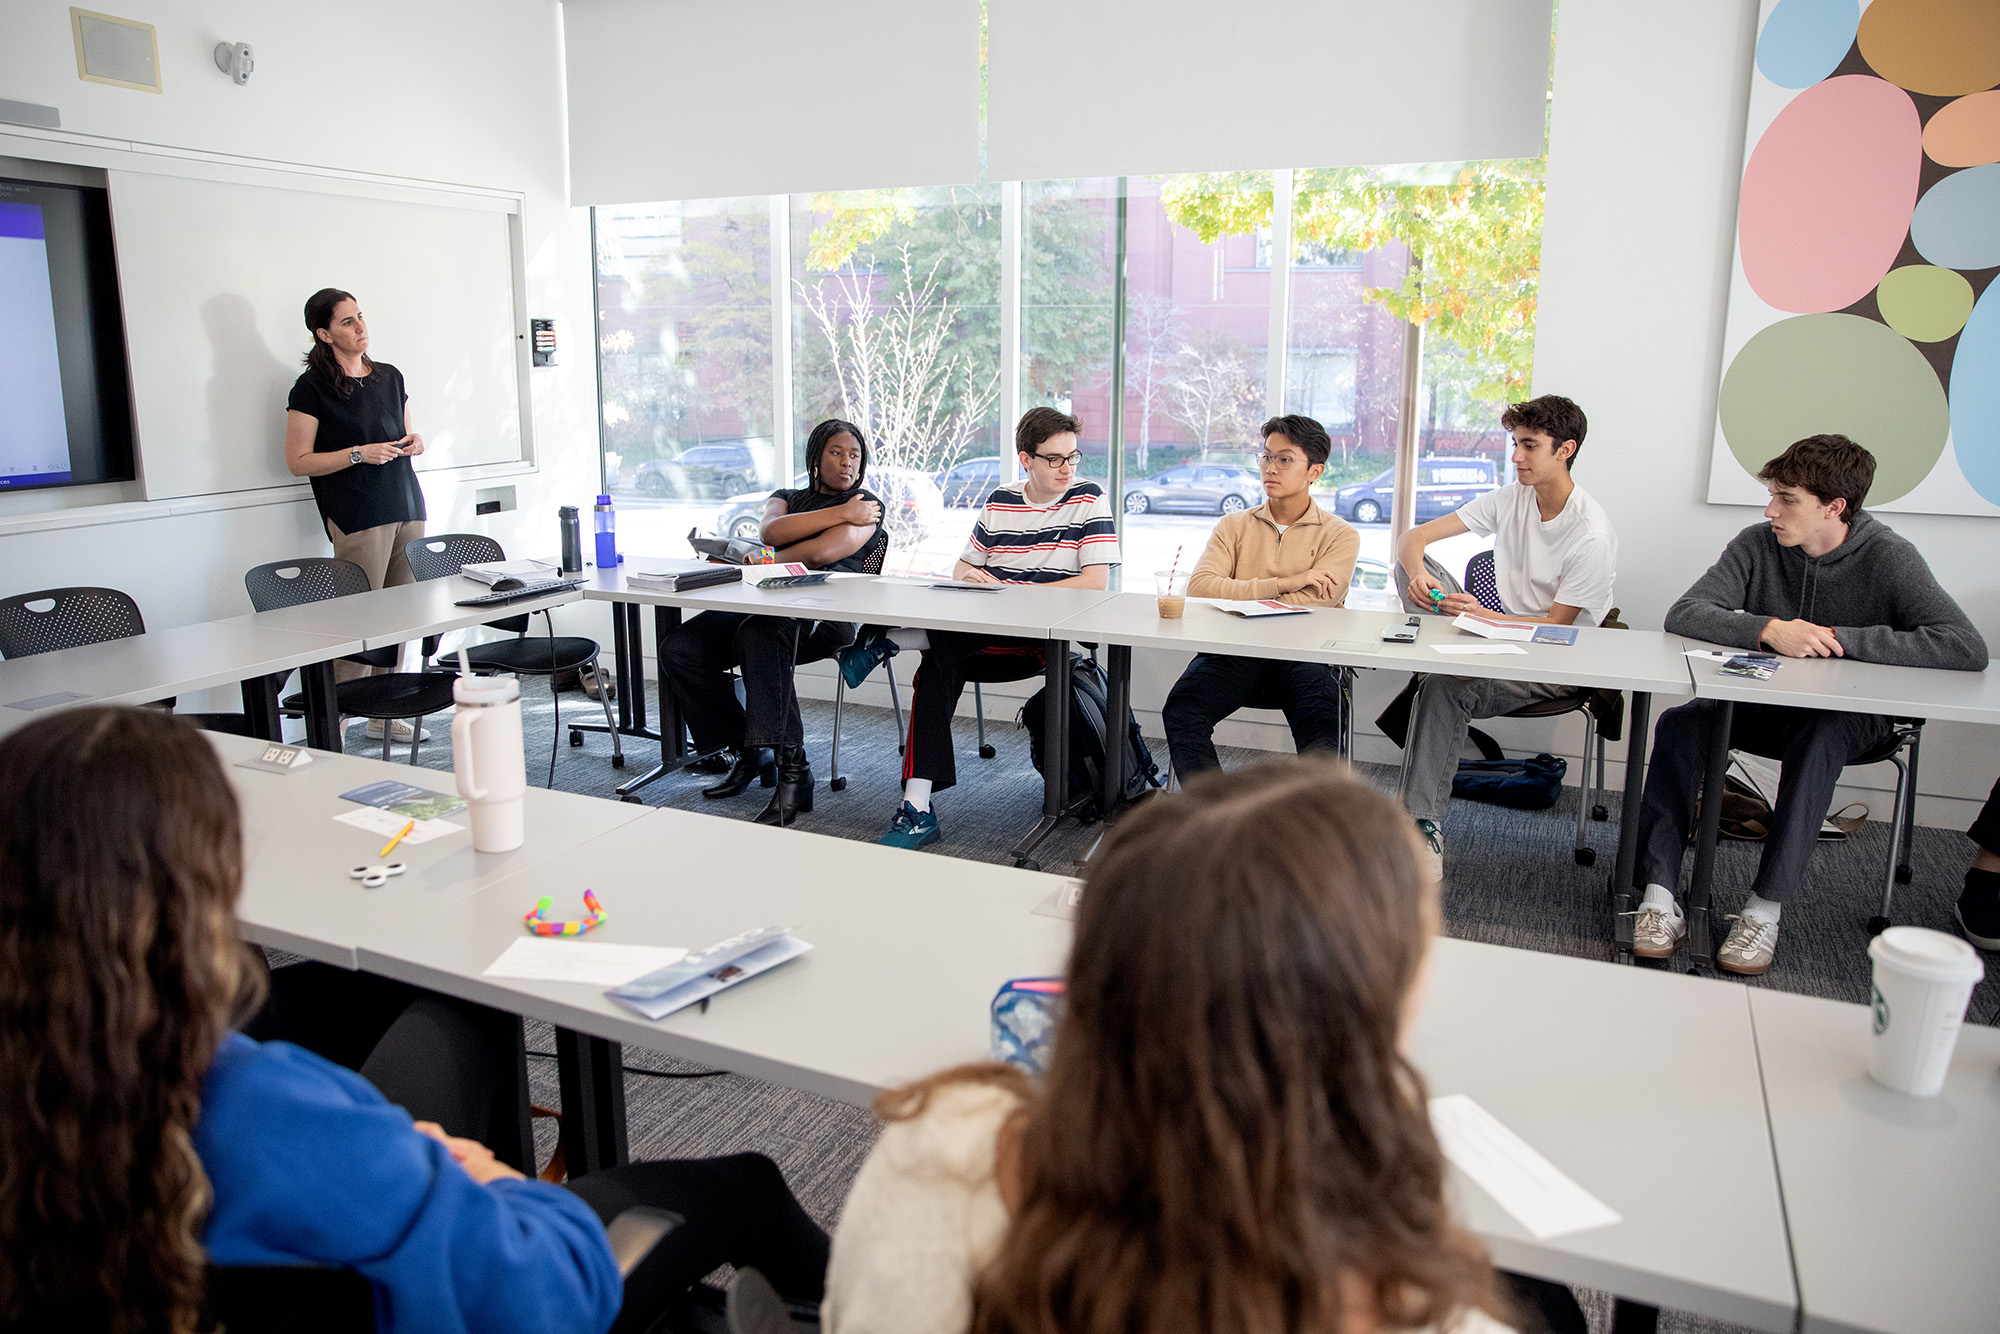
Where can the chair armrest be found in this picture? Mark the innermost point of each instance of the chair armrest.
(635, 1232)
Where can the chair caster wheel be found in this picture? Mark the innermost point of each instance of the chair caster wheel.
(575, 738)
(1586, 856)
(837, 784)
(1028, 864)
(1599, 814)
(1902, 875)
(618, 761)
(987, 752)
(1877, 925)
(899, 748)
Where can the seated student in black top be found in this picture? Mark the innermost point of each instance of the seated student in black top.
(831, 523)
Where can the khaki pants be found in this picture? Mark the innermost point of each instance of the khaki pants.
(379, 553)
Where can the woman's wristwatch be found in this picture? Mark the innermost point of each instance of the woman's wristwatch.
(354, 454)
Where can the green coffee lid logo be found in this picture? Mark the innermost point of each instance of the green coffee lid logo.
(1880, 1006)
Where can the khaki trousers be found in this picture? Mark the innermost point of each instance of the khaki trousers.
(379, 552)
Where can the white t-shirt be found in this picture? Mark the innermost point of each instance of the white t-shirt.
(1571, 559)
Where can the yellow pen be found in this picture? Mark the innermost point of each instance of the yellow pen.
(401, 834)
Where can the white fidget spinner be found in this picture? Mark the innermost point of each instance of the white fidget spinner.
(374, 877)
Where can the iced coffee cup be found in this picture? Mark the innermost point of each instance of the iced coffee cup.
(1923, 980)
(1172, 585)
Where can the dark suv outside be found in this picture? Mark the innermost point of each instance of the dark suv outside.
(724, 468)
(1442, 486)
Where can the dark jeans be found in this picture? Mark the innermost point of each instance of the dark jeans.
(737, 1211)
(461, 1065)
(951, 661)
(1985, 830)
(1812, 745)
(1215, 686)
(695, 662)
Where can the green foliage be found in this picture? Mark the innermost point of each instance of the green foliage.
(1474, 227)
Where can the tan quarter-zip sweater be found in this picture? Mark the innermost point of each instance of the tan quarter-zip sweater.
(1247, 556)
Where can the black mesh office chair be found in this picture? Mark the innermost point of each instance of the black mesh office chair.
(412, 696)
(58, 618)
(444, 555)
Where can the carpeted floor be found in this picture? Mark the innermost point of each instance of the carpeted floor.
(1510, 880)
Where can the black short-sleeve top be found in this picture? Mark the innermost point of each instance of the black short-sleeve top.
(806, 499)
(366, 495)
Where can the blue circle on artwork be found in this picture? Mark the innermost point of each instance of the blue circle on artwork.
(1805, 40)
(1975, 397)
(1957, 222)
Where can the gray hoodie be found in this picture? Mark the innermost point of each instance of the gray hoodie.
(1873, 590)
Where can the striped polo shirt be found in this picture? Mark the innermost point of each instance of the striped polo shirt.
(1020, 542)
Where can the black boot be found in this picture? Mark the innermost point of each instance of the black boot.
(750, 765)
(795, 788)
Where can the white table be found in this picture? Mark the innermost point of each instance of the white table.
(1550, 1045)
(387, 617)
(297, 894)
(1013, 610)
(159, 664)
(1894, 1202)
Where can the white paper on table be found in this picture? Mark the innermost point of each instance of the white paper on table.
(567, 959)
(1487, 629)
(1540, 1196)
(388, 824)
(1478, 648)
(1252, 609)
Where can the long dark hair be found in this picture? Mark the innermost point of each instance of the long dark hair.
(120, 971)
(319, 357)
(822, 435)
(1229, 1138)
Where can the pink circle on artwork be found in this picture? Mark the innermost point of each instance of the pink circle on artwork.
(1828, 194)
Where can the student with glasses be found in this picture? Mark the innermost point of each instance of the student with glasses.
(1050, 529)
(1289, 548)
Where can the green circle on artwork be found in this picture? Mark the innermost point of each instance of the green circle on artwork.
(1924, 303)
(1837, 374)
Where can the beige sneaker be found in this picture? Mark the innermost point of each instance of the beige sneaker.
(1751, 945)
(1657, 932)
(400, 731)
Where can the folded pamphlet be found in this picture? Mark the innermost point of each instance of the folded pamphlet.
(490, 572)
(705, 972)
(1490, 629)
(406, 799)
(1260, 607)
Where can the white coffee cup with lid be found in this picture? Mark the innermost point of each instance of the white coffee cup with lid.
(1922, 983)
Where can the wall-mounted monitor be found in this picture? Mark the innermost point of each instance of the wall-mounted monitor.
(65, 391)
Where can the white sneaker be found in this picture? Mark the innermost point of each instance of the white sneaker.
(1656, 932)
(402, 731)
(1432, 839)
(1751, 945)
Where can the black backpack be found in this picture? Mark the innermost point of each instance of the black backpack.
(1089, 702)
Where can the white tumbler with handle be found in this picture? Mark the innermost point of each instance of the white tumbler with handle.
(488, 761)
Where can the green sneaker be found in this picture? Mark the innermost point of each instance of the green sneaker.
(1433, 847)
(864, 655)
(911, 828)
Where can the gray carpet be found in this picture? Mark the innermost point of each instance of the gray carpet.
(1509, 875)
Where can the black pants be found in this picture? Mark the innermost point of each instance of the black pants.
(1216, 685)
(461, 1065)
(1812, 746)
(1985, 830)
(695, 662)
(952, 660)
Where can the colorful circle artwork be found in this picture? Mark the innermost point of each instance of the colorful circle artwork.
(1975, 397)
(1867, 301)
(1837, 373)
(1924, 303)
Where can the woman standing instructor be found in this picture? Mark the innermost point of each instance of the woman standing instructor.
(348, 429)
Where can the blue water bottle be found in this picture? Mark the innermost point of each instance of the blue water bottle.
(605, 521)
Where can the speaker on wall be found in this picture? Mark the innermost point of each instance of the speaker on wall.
(122, 52)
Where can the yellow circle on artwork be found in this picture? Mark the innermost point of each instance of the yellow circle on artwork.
(1924, 303)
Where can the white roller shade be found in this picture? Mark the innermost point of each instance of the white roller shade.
(1130, 87)
(701, 99)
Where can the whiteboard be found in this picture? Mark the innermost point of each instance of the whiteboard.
(214, 275)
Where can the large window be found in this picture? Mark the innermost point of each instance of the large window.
(728, 328)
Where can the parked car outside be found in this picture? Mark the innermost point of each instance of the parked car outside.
(724, 468)
(1195, 488)
(1442, 486)
(968, 483)
(913, 501)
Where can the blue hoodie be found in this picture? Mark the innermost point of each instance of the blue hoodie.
(310, 1163)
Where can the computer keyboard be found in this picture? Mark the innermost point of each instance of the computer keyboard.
(501, 596)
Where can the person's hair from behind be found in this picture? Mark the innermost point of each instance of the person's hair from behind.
(823, 435)
(1307, 434)
(1039, 424)
(120, 971)
(1559, 418)
(1832, 467)
(319, 357)
(1229, 1137)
